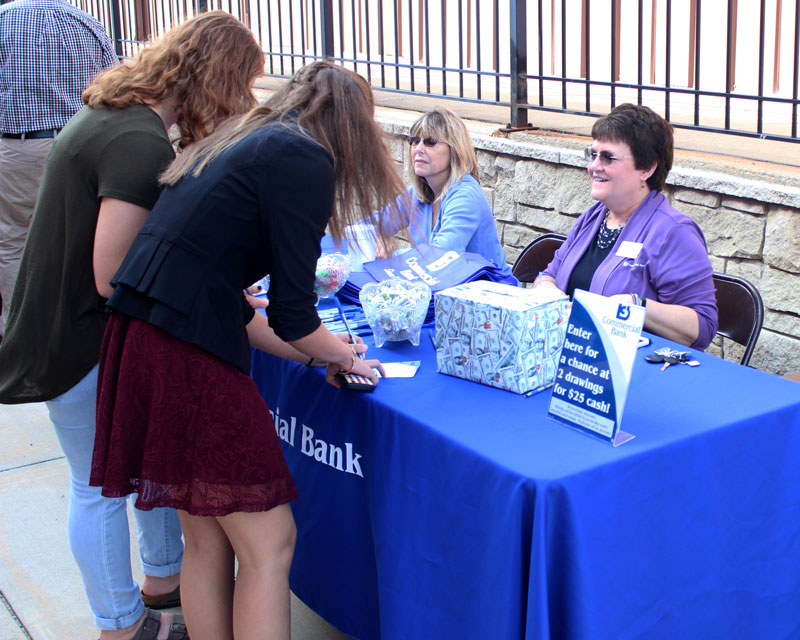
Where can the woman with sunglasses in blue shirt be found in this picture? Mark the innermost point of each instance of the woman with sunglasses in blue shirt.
(632, 244)
(448, 207)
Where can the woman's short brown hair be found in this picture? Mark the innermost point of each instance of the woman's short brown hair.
(647, 134)
(204, 67)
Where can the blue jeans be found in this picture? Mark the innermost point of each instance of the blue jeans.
(98, 526)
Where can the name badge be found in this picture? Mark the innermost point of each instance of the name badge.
(629, 249)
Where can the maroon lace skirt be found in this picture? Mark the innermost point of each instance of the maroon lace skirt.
(182, 428)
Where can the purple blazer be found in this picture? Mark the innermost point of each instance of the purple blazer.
(672, 265)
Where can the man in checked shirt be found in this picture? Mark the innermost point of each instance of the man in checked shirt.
(49, 52)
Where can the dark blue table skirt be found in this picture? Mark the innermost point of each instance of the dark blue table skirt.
(437, 508)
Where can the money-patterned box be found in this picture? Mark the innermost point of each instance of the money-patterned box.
(500, 335)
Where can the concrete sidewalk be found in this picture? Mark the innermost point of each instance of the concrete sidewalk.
(41, 594)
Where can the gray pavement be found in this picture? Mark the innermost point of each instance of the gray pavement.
(41, 594)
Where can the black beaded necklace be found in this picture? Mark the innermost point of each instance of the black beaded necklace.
(607, 237)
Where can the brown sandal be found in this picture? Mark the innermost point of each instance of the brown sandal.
(164, 601)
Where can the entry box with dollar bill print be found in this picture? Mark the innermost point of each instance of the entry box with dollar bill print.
(500, 335)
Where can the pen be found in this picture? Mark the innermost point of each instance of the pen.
(346, 324)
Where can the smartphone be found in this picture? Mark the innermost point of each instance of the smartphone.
(355, 382)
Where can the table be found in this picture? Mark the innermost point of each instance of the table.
(438, 508)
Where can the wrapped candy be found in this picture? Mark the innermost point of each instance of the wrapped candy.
(395, 309)
(333, 270)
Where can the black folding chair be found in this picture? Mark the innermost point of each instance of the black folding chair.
(536, 256)
(740, 311)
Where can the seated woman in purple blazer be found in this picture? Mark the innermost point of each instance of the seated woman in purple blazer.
(632, 244)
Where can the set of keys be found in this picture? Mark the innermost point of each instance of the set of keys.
(669, 357)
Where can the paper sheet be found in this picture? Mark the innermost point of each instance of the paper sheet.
(401, 369)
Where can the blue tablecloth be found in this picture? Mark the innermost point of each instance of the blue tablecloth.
(437, 508)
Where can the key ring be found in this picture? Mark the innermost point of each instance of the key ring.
(665, 353)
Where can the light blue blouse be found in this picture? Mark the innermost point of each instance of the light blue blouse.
(464, 223)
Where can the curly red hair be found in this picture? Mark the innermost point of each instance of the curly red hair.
(204, 67)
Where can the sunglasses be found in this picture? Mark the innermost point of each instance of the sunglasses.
(413, 141)
(606, 157)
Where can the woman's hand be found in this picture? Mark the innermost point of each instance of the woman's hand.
(359, 347)
(548, 282)
(324, 345)
(256, 303)
(544, 281)
(361, 367)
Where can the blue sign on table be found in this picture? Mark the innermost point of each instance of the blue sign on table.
(595, 366)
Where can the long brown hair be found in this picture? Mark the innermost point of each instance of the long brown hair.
(204, 67)
(335, 107)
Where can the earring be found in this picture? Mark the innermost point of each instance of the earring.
(644, 182)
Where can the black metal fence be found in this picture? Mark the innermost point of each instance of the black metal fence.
(714, 65)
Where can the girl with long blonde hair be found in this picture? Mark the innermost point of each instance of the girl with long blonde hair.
(445, 206)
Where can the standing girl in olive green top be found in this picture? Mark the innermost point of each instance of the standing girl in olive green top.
(99, 184)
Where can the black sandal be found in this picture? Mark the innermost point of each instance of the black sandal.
(149, 627)
(177, 630)
(152, 623)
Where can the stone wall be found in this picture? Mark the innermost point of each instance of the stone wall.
(752, 225)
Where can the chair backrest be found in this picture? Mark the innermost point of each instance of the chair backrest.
(740, 311)
(536, 256)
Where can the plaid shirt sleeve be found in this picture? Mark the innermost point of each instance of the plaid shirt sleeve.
(49, 53)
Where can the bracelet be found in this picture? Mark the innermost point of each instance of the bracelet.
(638, 300)
(308, 364)
(352, 365)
